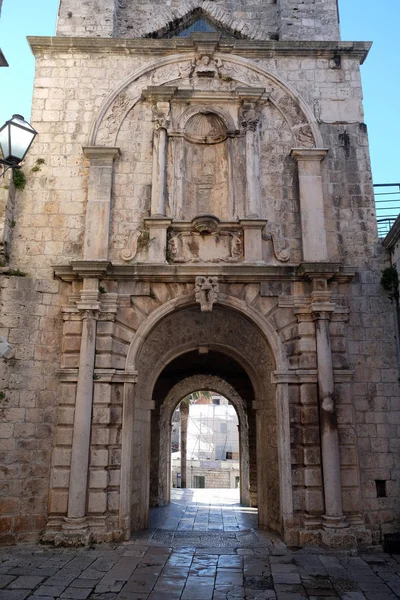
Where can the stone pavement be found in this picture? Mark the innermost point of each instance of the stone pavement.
(227, 559)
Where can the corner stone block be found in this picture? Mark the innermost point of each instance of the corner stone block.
(98, 479)
(60, 478)
(101, 414)
(99, 458)
(97, 502)
(100, 436)
(102, 393)
(58, 502)
(314, 501)
(62, 457)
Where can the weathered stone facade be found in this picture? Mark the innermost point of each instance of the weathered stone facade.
(197, 207)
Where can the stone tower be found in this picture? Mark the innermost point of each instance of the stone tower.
(198, 214)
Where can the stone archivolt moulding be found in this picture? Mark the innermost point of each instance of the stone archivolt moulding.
(225, 72)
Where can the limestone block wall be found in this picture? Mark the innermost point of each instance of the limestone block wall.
(30, 321)
(310, 20)
(87, 18)
(50, 212)
(376, 391)
(268, 19)
(242, 18)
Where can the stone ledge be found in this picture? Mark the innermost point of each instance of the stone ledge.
(250, 48)
(167, 273)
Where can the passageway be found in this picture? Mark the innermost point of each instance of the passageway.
(204, 510)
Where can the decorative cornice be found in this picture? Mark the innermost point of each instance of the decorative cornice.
(324, 270)
(177, 273)
(101, 376)
(317, 154)
(100, 152)
(250, 48)
(309, 376)
(90, 268)
(234, 273)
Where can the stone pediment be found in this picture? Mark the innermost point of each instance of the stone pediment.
(171, 21)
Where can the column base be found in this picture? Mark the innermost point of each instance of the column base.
(342, 538)
(312, 522)
(74, 532)
(330, 522)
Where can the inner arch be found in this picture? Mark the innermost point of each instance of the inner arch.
(168, 393)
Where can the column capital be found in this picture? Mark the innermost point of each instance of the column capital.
(309, 154)
(322, 311)
(249, 115)
(101, 152)
(88, 314)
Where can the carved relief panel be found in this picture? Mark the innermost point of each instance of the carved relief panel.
(205, 239)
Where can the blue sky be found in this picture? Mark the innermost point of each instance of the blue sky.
(360, 20)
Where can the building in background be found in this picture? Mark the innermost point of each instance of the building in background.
(212, 446)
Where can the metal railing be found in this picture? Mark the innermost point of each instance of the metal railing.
(387, 202)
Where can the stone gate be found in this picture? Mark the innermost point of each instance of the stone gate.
(198, 208)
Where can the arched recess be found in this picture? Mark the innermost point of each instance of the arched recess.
(179, 69)
(238, 333)
(176, 394)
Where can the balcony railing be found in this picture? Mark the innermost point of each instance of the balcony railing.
(387, 202)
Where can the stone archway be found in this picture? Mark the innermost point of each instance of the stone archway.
(162, 475)
(163, 354)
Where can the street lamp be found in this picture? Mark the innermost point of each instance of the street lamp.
(16, 137)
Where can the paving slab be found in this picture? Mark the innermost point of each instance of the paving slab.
(222, 557)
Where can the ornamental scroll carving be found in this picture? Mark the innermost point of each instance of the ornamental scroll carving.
(137, 239)
(206, 292)
(281, 251)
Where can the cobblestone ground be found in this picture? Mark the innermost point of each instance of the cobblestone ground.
(224, 560)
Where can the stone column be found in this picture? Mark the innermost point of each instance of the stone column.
(312, 216)
(159, 186)
(128, 420)
(284, 454)
(250, 118)
(98, 211)
(77, 496)
(333, 517)
(262, 467)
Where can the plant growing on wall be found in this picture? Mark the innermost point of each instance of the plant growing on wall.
(390, 281)
(19, 179)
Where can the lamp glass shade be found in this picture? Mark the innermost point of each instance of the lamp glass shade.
(16, 137)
